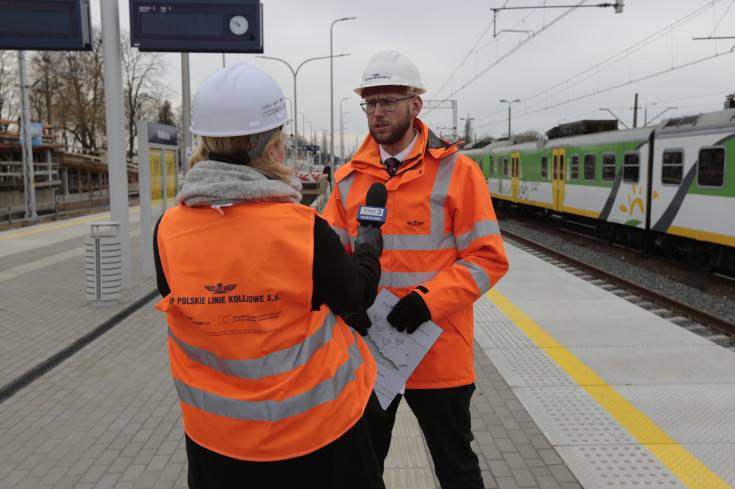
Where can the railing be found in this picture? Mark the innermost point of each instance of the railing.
(63, 206)
(315, 194)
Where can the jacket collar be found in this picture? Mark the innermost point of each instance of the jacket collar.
(367, 157)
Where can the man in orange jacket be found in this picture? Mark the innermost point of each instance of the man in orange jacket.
(442, 251)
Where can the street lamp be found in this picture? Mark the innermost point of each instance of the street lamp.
(510, 102)
(296, 72)
(341, 134)
(309, 139)
(331, 85)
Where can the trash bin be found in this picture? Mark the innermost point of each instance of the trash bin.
(103, 264)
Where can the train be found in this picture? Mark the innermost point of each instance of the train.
(669, 186)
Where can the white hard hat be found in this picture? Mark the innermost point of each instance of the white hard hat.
(238, 100)
(391, 68)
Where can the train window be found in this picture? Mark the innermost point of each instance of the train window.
(544, 167)
(505, 167)
(631, 167)
(711, 167)
(672, 167)
(575, 167)
(590, 166)
(609, 163)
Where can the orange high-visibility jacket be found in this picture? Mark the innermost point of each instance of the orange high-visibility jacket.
(440, 233)
(260, 376)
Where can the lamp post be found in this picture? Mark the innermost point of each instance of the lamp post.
(331, 86)
(341, 134)
(290, 102)
(510, 103)
(295, 73)
(310, 139)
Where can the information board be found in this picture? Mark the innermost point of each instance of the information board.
(45, 25)
(189, 26)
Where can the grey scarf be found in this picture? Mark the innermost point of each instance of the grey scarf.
(216, 184)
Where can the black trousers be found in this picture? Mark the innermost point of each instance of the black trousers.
(348, 462)
(444, 418)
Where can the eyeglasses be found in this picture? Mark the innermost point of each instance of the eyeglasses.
(387, 104)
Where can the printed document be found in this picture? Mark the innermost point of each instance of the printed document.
(396, 354)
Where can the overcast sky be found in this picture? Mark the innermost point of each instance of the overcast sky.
(563, 64)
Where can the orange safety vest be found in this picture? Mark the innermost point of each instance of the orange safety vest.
(260, 376)
(440, 232)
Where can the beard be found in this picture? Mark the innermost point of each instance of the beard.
(396, 130)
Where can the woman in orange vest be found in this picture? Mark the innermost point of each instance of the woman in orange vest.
(273, 384)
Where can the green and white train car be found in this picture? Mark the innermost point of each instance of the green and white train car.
(670, 185)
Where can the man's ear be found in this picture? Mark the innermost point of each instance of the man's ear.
(416, 105)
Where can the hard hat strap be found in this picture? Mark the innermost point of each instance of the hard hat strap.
(244, 158)
(236, 159)
(261, 139)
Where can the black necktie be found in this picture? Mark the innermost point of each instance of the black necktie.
(391, 165)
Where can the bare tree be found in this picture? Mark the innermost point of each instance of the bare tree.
(45, 86)
(142, 74)
(69, 91)
(80, 107)
(8, 84)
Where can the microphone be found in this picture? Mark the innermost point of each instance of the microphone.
(373, 212)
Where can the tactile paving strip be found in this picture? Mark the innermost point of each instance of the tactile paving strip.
(618, 467)
(570, 416)
(493, 329)
(528, 367)
(500, 334)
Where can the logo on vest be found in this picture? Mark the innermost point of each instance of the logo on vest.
(415, 223)
(220, 289)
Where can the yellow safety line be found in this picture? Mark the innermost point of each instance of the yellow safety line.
(58, 226)
(683, 464)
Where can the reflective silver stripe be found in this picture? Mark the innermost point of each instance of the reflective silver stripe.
(480, 230)
(344, 235)
(326, 391)
(479, 275)
(437, 239)
(404, 279)
(272, 364)
(344, 188)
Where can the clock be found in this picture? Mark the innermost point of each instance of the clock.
(238, 25)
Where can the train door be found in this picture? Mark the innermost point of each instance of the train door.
(515, 174)
(558, 176)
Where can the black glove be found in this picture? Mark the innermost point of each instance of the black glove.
(409, 313)
(371, 236)
(359, 321)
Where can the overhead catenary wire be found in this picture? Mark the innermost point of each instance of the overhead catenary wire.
(622, 55)
(541, 101)
(499, 60)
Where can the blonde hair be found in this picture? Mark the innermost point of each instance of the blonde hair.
(242, 144)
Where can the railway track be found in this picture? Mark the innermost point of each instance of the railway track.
(715, 328)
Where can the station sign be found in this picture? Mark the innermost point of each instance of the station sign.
(197, 26)
(45, 25)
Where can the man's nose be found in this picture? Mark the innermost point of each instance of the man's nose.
(379, 108)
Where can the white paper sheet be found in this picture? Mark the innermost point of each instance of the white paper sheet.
(396, 354)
